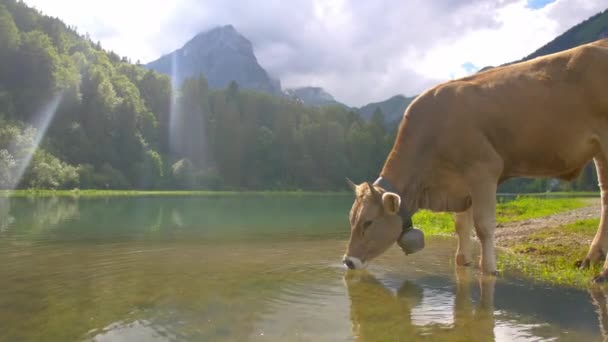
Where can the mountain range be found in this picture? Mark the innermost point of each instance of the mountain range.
(392, 108)
(313, 96)
(222, 55)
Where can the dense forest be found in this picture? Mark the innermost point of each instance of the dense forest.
(73, 115)
(103, 122)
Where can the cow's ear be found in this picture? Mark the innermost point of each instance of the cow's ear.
(391, 202)
(351, 185)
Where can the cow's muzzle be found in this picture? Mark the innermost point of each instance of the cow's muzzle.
(352, 263)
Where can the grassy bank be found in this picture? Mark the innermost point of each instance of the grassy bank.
(546, 255)
(550, 254)
(521, 208)
(556, 194)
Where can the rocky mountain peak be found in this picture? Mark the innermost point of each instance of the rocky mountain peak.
(222, 55)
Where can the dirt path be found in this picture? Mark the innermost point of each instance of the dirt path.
(508, 232)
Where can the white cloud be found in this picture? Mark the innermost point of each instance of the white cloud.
(520, 31)
(359, 51)
(128, 27)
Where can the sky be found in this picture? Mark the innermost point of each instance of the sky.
(359, 51)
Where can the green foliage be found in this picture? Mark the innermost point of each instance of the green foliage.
(524, 208)
(9, 34)
(120, 126)
(552, 264)
(125, 127)
(110, 178)
(7, 169)
(48, 172)
(36, 67)
(550, 254)
(434, 223)
(21, 163)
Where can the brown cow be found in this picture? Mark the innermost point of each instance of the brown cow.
(547, 117)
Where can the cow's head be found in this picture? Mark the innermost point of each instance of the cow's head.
(374, 222)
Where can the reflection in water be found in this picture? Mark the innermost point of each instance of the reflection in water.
(598, 296)
(235, 268)
(476, 324)
(206, 217)
(378, 313)
(5, 217)
(134, 331)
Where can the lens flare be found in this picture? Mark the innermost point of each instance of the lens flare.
(41, 123)
(175, 112)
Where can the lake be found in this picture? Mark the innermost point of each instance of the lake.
(251, 267)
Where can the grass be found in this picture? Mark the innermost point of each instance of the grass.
(565, 194)
(586, 227)
(525, 208)
(550, 255)
(434, 223)
(140, 193)
(522, 208)
(556, 194)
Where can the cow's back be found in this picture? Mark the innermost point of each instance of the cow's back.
(543, 117)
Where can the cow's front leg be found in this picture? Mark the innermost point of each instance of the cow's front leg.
(464, 225)
(599, 245)
(484, 219)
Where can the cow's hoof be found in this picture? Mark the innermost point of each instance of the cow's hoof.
(462, 261)
(591, 258)
(582, 264)
(600, 279)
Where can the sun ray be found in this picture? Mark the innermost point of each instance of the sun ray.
(175, 113)
(41, 123)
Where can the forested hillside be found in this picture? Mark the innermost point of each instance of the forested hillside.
(393, 108)
(73, 115)
(103, 122)
(588, 31)
(103, 116)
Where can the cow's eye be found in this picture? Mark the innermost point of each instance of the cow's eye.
(366, 224)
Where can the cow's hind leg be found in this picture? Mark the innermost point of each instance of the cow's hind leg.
(464, 226)
(599, 245)
(484, 219)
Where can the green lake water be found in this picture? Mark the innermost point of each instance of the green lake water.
(251, 268)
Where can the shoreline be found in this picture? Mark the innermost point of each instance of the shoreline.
(546, 249)
(114, 193)
(538, 236)
(156, 193)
